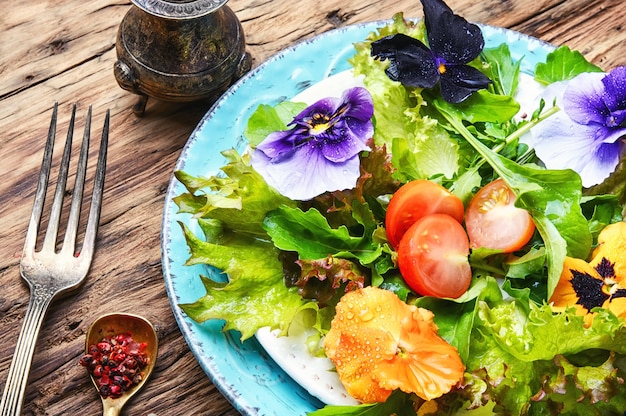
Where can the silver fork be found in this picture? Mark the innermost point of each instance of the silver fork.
(48, 272)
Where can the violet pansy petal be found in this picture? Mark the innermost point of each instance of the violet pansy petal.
(360, 130)
(616, 118)
(610, 134)
(561, 143)
(583, 99)
(604, 161)
(280, 143)
(615, 88)
(308, 174)
(411, 62)
(358, 104)
(338, 149)
(326, 106)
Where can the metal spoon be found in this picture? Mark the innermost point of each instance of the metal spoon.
(141, 331)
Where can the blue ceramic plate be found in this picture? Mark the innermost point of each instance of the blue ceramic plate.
(243, 372)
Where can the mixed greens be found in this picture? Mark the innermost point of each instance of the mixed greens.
(288, 261)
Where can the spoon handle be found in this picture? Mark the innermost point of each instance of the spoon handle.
(111, 410)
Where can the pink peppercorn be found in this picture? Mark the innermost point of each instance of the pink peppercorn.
(115, 363)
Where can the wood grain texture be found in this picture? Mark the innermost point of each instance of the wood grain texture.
(63, 51)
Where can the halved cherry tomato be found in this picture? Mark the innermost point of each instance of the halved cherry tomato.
(433, 257)
(415, 200)
(493, 221)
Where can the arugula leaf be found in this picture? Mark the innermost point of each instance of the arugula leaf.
(455, 318)
(309, 233)
(398, 404)
(503, 71)
(531, 263)
(601, 210)
(484, 106)
(563, 64)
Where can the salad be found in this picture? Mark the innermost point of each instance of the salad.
(532, 327)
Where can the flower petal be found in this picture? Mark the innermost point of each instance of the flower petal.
(429, 367)
(351, 126)
(615, 89)
(357, 104)
(340, 143)
(583, 99)
(612, 245)
(411, 62)
(326, 106)
(586, 295)
(450, 36)
(379, 343)
(458, 82)
(307, 173)
(281, 144)
(561, 143)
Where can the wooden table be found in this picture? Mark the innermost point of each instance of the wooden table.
(64, 50)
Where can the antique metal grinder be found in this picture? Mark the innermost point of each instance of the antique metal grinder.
(179, 50)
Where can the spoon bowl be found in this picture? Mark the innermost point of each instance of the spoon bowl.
(141, 330)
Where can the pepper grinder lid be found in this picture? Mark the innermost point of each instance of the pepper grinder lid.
(179, 9)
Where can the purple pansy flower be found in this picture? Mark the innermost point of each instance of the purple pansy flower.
(587, 136)
(453, 44)
(320, 153)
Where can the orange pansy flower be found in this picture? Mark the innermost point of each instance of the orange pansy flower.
(598, 283)
(378, 344)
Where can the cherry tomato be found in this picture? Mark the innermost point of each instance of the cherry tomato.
(433, 257)
(493, 221)
(415, 200)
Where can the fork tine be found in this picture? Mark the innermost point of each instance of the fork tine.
(57, 204)
(96, 198)
(42, 185)
(69, 243)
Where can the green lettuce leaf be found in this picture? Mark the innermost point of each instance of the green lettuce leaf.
(518, 360)
(267, 119)
(434, 156)
(239, 200)
(255, 280)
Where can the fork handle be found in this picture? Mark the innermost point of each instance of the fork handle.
(13, 395)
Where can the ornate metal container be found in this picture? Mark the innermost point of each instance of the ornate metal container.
(179, 50)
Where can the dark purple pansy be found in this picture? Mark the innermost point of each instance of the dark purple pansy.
(320, 152)
(453, 43)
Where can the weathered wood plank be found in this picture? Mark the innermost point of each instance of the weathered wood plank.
(63, 50)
